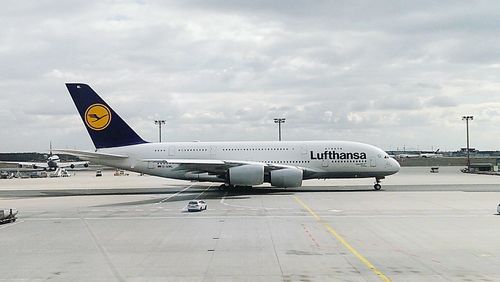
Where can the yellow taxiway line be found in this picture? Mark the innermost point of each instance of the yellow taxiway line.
(348, 246)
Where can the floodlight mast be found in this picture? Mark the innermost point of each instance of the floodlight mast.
(467, 118)
(159, 122)
(279, 121)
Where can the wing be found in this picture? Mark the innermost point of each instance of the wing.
(216, 167)
(72, 164)
(28, 164)
(88, 155)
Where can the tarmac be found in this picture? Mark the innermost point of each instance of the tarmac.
(420, 227)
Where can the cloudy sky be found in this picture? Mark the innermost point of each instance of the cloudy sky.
(390, 73)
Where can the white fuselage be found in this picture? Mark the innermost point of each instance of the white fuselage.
(318, 159)
(53, 161)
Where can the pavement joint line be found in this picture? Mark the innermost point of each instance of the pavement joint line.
(103, 251)
(348, 246)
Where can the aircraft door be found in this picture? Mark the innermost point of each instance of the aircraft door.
(373, 162)
(303, 149)
(213, 152)
(325, 163)
(171, 151)
(151, 165)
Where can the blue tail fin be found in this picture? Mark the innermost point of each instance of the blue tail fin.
(106, 128)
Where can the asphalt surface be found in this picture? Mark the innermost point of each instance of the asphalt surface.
(421, 227)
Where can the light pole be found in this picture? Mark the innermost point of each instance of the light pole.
(467, 118)
(159, 122)
(279, 121)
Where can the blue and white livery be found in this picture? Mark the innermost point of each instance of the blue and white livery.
(282, 164)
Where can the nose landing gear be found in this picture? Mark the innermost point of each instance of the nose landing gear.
(377, 185)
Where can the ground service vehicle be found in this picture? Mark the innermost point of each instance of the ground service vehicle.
(7, 215)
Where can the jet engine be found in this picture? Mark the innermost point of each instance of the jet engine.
(246, 175)
(287, 177)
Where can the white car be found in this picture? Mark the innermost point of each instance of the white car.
(196, 205)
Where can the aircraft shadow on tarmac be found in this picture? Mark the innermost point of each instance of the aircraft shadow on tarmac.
(215, 194)
(177, 194)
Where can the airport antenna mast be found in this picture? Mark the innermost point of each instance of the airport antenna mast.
(279, 121)
(160, 123)
(467, 118)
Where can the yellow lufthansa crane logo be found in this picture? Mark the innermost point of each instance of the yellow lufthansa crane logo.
(97, 116)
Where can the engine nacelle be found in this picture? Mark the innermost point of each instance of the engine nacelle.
(246, 175)
(287, 177)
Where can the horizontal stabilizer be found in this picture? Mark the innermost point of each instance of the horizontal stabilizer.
(90, 154)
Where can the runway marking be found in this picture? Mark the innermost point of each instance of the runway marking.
(339, 238)
(171, 196)
(209, 186)
(212, 216)
(336, 210)
(224, 198)
(309, 234)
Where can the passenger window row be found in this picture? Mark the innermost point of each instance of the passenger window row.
(286, 162)
(255, 149)
(348, 161)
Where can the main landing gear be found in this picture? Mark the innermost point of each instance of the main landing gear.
(226, 187)
(377, 185)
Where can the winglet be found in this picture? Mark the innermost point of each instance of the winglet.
(106, 128)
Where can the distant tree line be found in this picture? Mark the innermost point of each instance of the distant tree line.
(34, 157)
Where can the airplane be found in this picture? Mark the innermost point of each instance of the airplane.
(431, 154)
(422, 154)
(52, 164)
(281, 163)
(408, 155)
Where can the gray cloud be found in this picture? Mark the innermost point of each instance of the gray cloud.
(388, 73)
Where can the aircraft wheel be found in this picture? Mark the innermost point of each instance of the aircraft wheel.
(377, 186)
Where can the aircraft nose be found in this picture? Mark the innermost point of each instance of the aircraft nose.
(395, 165)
